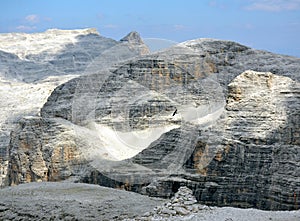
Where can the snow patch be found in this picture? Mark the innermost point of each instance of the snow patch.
(124, 145)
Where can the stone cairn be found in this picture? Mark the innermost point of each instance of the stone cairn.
(183, 204)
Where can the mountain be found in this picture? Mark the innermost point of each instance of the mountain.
(32, 57)
(216, 116)
(33, 65)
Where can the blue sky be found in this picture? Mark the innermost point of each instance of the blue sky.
(272, 25)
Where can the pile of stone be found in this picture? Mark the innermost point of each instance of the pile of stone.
(183, 204)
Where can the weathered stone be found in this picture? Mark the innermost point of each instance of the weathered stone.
(203, 207)
(177, 204)
(133, 37)
(168, 204)
(181, 211)
(20, 99)
(195, 208)
(147, 214)
(189, 202)
(241, 168)
(166, 211)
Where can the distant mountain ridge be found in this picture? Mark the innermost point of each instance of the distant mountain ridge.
(32, 57)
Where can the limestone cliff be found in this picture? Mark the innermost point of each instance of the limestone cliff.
(191, 115)
(44, 154)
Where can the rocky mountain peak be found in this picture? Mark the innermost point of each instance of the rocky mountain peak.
(214, 46)
(133, 37)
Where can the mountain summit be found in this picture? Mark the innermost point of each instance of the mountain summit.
(133, 37)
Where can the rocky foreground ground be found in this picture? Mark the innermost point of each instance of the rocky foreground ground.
(75, 201)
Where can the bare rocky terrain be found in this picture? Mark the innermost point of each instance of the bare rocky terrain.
(75, 201)
(68, 201)
(215, 120)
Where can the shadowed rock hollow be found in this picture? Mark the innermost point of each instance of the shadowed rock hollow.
(234, 140)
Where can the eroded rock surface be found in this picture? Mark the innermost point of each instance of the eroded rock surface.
(260, 143)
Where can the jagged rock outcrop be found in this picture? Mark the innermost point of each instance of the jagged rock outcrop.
(133, 37)
(234, 139)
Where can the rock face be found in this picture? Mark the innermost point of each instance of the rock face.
(193, 115)
(54, 52)
(133, 37)
(260, 144)
(46, 154)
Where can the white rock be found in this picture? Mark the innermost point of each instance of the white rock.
(181, 211)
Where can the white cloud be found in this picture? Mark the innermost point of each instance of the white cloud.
(32, 18)
(178, 27)
(31, 22)
(217, 4)
(274, 5)
(212, 3)
(110, 26)
(47, 19)
(25, 28)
